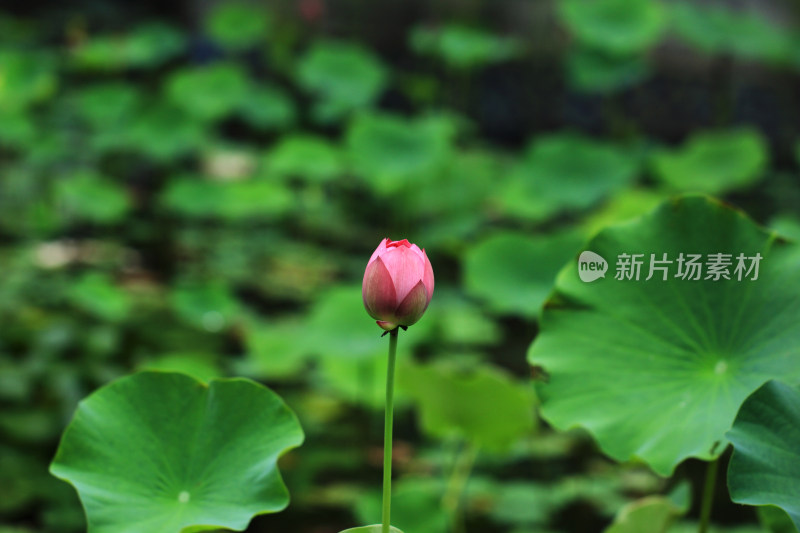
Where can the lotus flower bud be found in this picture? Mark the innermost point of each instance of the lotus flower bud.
(398, 284)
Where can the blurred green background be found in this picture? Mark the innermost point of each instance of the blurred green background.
(197, 186)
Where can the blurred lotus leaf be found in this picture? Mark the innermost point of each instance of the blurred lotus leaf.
(90, 197)
(678, 358)
(238, 25)
(377, 528)
(209, 92)
(416, 507)
(209, 305)
(17, 129)
(390, 151)
(464, 47)
(466, 179)
(164, 132)
(565, 172)
(787, 226)
(765, 466)
(162, 452)
(25, 78)
(238, 200)
(267, 107)
(344, 76)
(625, 205)
(481, 404)
(108, 104)
(615, 26)
(514, 272)
(716, 29)
(201, 366)
(459, 321)
(653, 514)
(714, 162)
(775, 519)
(338, 327)
(273, 352)
(149, 45)
(98, 295)
(307, 157)
(592, 70)
(20, 479)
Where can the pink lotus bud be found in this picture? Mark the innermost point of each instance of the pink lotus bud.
(398, 284)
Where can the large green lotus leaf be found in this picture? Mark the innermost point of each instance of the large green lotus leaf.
(149, 45)
(27, 78)
(238, 25)
(345, 76)
(591, 70)
(164, 453)
(480, 403)
(615, 26)
(565, 171)
(90, 197)
(268, 107)
(164, 132)
(656, 369)
(653, 514)
(96, 293)
(714, 162)
(377, 528)
(307, 157)
(765, 465)
(390, 151)
(464, 47)
(514, 272)
(209, 92)
(717, 29)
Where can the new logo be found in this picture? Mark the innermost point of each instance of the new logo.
(591, 266)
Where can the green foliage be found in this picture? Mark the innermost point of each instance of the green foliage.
(565, 172)
(370, 529)
(162, 452)
(196, 189)
(147, 46)
(464, 47)
(480, 404)
(392, 152)
(514, 272)
(237, 25)
(617, 27)
(657, 369)
(209, 92)
(343, 76)
(653, 514)
(716, 29)
(765, 465)
(714, 162)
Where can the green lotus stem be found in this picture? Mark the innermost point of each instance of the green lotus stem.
(387, 433)
(456, 483)
(708, 495)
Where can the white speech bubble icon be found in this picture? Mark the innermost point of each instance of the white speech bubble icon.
(591, 266)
